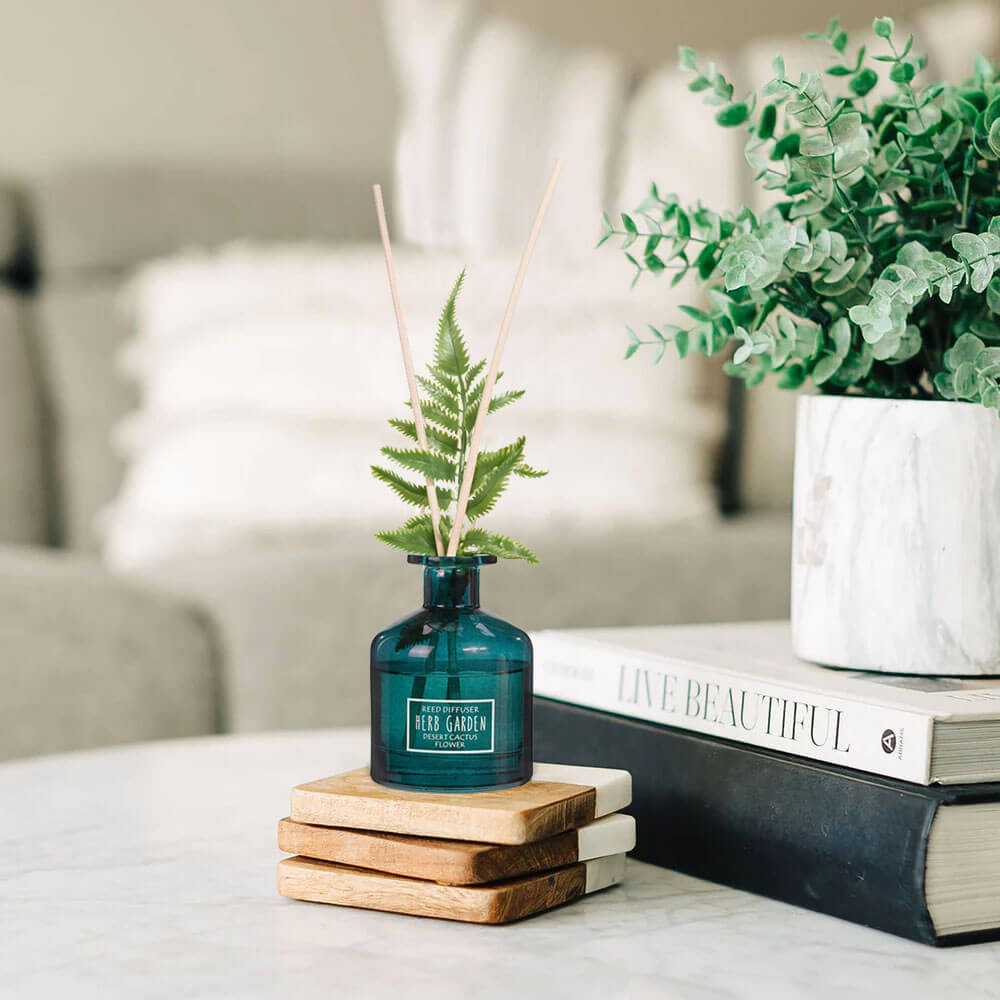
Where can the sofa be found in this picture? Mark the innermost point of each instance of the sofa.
(276, 636)
(255, 639)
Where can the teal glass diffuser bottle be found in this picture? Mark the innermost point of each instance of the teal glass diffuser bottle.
(451, 689)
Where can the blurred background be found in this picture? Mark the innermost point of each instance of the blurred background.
(197, 349)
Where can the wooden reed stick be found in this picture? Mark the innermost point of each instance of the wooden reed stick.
(491, 375)
(411, 379)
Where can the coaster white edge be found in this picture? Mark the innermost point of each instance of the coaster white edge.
(613, 787)
(614, 834)
(604, 872)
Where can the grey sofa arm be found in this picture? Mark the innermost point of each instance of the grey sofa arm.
(295, 621)
(89, 659)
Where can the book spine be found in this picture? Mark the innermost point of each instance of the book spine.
(736, 706)
(804, 833)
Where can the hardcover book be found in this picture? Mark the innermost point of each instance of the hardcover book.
(921, 862)
(742, 682)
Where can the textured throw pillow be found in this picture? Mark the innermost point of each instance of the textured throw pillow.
(669, 136)
(266, 376)
(487, 107)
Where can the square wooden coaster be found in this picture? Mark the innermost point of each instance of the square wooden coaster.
(456, 862)
(559, 797)
(501, 903)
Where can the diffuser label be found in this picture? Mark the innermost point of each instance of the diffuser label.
(449, 725)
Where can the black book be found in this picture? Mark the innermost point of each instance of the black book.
(922, 862)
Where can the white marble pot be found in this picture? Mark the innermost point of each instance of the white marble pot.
(896, 552)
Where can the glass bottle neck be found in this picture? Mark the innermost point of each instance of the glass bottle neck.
(451, 587)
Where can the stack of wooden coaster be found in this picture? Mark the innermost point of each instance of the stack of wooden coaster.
(487, 857)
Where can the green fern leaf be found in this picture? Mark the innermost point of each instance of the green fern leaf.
(476, 393)
(525, 471)
(450, 352)
(505, 459)
(439, 394)
(438, 440)
(492, 544)
(496, 403)
(427, 463)
(416, 536)
(505, 399)
(447, 382)
(485, 498)
(433, 413)
(408, 492)
(453, 388)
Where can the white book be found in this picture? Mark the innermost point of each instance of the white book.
(743, 682)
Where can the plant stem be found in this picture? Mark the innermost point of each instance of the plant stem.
(907, 87)
(845, 203)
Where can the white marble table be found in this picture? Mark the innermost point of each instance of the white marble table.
(148, 871)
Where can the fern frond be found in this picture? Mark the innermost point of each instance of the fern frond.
(496, 403)
(506, 458)
(439, 415)
(416, 536)
(505, 399)
(453, 387)
(447, 382)
(492, 544)
(450, 353)
(411, 493)
(427, 463)
(408, 492)
(476, 392)
(485, 498)
(439, 440)
(525, 471)
(439, 394)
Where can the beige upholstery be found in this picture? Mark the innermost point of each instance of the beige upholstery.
(88, 659)
(99, 221)
(276, 637)
(94, 226)
(294, 623)
(79, 329)
(768, 448)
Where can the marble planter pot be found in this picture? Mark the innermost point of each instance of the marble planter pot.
(896, 551)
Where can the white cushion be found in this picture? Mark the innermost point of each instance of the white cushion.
(267, 375)
(487, 108)
(670, 137)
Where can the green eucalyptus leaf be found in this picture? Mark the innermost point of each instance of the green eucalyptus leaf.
(840, 334)
(882, 219)
(944, 382)
(864, 82)
(883, 27)
(792, 377)
(965, 381)
(735, 114)
(902, 72)
(768, 120)
(994, 137)
(825, 368)
(985, 330)
(965, 350)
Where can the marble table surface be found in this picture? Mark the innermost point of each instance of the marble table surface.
(149, 871)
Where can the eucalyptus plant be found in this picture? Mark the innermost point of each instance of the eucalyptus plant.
(875, 270)
(451, 394)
